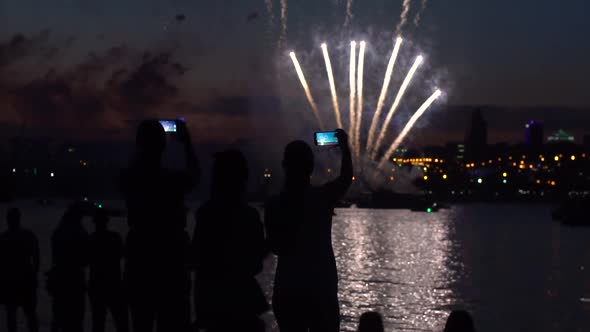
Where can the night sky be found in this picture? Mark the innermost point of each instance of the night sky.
(87, 69)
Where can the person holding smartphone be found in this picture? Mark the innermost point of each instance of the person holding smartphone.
(299, 231)
(156, 269)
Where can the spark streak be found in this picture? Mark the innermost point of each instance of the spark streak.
(408, 127)
(348, 13)
(283, 36)
(312, 103)
(332, 85)
(382, 96)
(420, 12)
(352, 82)
(396, 102)
(269, 12)
(359, 106)
(403, 17)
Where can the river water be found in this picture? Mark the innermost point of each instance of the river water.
(510, 265)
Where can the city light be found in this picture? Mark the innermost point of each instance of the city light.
(504, 174)
(556, 158)
(51, 174)
(14, 170)
(425, 177)
(444, 177)
(504, 181)
(573, 158)
(100, 206)
(429, 210)
(479, 180)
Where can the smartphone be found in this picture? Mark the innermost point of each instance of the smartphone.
(325, 138)
(169, 125)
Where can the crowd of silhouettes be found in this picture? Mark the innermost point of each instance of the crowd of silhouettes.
(144, 280)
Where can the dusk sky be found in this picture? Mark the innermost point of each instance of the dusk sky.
(81, 67)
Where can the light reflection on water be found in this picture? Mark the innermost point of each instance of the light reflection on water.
(393, 262)
(510, 265)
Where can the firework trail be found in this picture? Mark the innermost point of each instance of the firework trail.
(352, 82)
(332, 85)
(381, 101)
(303, 81)
(271, 16)
(396, 102)
(408, 127)
(283, 36)
(403, 17)
(348, 13)
(359, 105)
(420, 12)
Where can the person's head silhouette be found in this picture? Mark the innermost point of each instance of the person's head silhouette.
(73, 215)
(13, 218)
(459, 321)
(100, 219)
(371, 321)
(298, 162)
(150, 141)
(230, 175)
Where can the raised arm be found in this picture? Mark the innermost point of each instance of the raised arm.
(192, 163)
(338, 187)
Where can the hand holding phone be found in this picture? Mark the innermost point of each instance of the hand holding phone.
(182, 131)
(325, 138)
(169, 125)
(337, 137)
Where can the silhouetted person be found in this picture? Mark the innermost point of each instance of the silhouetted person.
(459, 321)
(67, 277)
(371, 321)
(19, 268)
(105, 285)
(299, 230)
(228, 248)
(157, 247)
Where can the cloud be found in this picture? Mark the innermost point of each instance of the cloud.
(20, 47)
(103, 90)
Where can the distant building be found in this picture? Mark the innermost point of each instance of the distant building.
(455, 150)
(533, 133)
(560, 136)
(476, 137)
